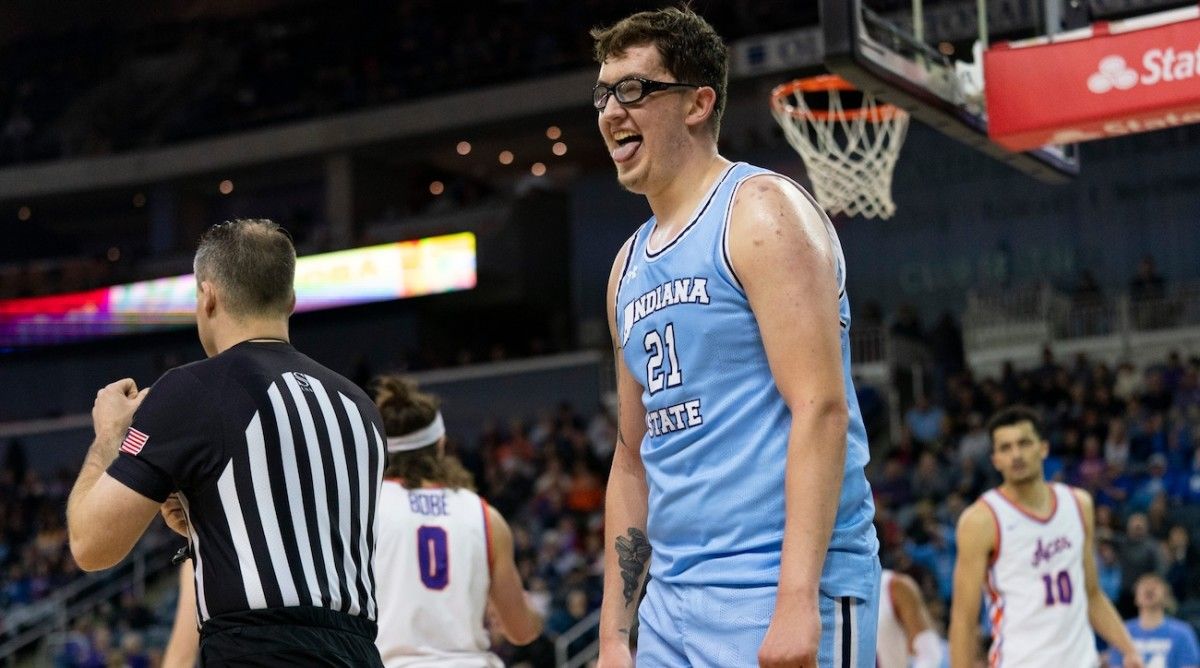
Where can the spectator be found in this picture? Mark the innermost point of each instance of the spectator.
(586, 493)
(1116, 446)
(1127, 383)
(1155, 396)
(1157, 519)
(947, 344)
(1140, 554)
(1162, 641)
(931, 545)
(972, 481)
(1087, 302)
(1187, 486)
(975, 445)
(929, 483)
(1173, 372)
(1108, 569)
(1153, 485)
(134, 652)
(1090, 471)
(1183, 564)
(893, 490)
(1187, 394)
(1147, 292)
(924, 420)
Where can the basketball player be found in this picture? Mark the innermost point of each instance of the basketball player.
(444, 554)
(1162, 641)
(905, 627)
(740, 449)
(1030, 543)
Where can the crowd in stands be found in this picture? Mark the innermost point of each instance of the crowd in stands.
(1126, 435)
(36, 562)
(127, 634)
(90, 91)
(547, 478)
(33, 536)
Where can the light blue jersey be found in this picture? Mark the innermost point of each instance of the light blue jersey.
(716, 442)
(1171, 644)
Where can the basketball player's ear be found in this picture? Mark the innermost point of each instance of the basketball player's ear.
(292, 304)
(704, 103)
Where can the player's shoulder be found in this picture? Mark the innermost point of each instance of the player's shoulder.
(467, 495)
(903, 584)
(977, 517)
(1082, 496)
(770, 210)
(621, 261)
(1082, 500)
(765, 189)
(903, 578)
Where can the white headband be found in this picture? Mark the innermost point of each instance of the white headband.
(423, 437)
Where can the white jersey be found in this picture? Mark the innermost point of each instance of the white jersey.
(891, 642)
(1037, 599)
(433, 565)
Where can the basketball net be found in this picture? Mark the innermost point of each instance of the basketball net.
(850, 153)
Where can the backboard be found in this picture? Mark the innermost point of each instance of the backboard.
(886, 48)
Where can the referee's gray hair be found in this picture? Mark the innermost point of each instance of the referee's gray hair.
(253, 262)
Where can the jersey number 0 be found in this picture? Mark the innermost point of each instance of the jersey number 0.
(433, 555)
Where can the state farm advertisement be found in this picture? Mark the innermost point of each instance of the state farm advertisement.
(1107, 85)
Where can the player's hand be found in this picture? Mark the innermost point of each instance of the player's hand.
(172, 513)
(792, 638)
(112, 413)
(615, 654)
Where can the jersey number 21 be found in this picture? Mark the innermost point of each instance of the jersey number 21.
(662, 348)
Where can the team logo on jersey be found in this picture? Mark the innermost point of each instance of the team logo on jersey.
(631, 274)
(1044, 552)
(678, 291)
(302, 381)
(134, 441)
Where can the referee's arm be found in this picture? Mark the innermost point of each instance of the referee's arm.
(105, 518)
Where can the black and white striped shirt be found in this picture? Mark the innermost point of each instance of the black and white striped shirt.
(279, 462)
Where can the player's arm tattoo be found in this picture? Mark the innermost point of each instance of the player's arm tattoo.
(633, 552)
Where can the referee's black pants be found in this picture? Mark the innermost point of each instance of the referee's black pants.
(292, 637)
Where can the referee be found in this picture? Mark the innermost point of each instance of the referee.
(276, 463)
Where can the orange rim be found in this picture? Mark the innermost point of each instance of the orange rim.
(780, 98)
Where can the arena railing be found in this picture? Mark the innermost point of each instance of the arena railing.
(29, 626)
(562, 644)
(1112, 328)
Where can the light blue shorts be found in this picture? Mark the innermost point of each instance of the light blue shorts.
(686, 625)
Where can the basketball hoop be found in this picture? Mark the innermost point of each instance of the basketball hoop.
(850, 153)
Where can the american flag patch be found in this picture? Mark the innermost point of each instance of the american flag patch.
(134, 441)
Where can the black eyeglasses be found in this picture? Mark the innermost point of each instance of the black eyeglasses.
(631, 90)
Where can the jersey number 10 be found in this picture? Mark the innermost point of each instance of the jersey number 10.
(1062, 583)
